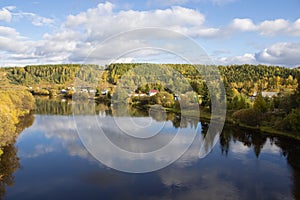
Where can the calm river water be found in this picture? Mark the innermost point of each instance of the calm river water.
(49, 161)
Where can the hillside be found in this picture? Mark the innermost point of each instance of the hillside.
(247, 87)
(244, 79)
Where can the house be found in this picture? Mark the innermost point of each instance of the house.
(84, 90)
(269, 94)
(177, 97)
(92, 91)
(153, 92)
(264, 94)
(138, 94)
(104, 92)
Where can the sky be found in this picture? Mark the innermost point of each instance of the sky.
(227, 31)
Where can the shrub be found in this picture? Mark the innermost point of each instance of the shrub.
(248, 116)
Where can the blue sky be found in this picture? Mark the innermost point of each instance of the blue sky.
(230, 31)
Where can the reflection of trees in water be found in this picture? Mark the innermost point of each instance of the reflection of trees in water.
(291, 150)
(9, 162)
(9, 137)
(296, 190)
(53, 107)
(247, 137)
(68, 107)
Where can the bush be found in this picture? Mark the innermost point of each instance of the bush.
(293, 120)
(163, 98)
(248, 116)
(41, 92)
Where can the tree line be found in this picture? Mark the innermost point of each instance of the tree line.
(52, 74)
(241, 82)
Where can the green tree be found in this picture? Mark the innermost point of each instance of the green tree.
(260, 104)
(248, 116)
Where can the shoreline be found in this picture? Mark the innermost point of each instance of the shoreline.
(205, 116)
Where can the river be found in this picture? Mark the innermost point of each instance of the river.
(49, 161)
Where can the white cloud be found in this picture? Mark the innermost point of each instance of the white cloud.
(285, 53)
(202, 32)
(8, 31)
(12, 41)
(247, 58)
(5, 15)
(243, 24)
(124, 60)
(63, 42)
(102, 22)
(9, 12)
(294, 29)
(97, 22)
(267, 27)
(17, 49)
(35, 19)
(273, 27)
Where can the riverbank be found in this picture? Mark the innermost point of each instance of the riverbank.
(14, 104)
(229, 121)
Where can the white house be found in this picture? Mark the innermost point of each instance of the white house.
(269, 94)
(104, 92)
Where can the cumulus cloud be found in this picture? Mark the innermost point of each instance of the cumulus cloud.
(273, 27)
(280, 53)
(247, 58)
(267, 27)
(243, 24)
(7, 31)
(59, 44)
(97, 22)
(15, 49)
(283, 53)
(12, 41)
(5, 15)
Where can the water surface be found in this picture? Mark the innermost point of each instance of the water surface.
(48, 161)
